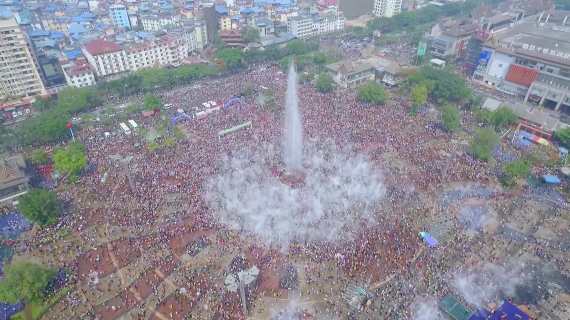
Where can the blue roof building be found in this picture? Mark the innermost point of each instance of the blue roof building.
(120, 16)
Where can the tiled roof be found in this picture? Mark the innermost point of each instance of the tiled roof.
(100, 46)
(521, 75)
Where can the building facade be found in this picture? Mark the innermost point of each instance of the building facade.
(79, 74)
(153, 23)
(107, 58)
(120, 16)
(307, 26)
(387, 8)
(19, 76)
(531, 60)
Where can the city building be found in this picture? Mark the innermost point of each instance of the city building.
(449, 39)
(120, 16)
(159, 22)
(78, 73)
(19, 76)
(351, 74)
(13, 179)
(301, 26)
(306, 26)
(107, 58)
(166, 51)
(387, 8)
(530, 59)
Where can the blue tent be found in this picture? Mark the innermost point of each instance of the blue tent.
(428, 239)
(8, 310)
(508, 311)
(550, 179)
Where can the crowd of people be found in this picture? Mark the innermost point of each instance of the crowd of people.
(158, 194)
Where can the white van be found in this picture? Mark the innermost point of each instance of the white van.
(126, 129)
(133, 124)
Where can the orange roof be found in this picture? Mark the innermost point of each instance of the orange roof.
(521, 75)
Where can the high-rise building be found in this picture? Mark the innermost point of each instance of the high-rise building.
(19, 76)
(387, 8)
(120, 16)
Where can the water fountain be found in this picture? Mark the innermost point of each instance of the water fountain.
(293, 132)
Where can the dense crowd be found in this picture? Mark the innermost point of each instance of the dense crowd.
(157, 194)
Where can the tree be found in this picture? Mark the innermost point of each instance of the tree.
(232, 58)
(563, 135)
(39, 156)
(40, 206)
(70, 160)
(297, 47)
(324, 83)
(74, 100)
(47, 127)
(419, 95)
(515, 170)
(249, 34)
(320, 59)
(503, 117)
(483, 143)
(43, 104)
(450, 118)
(442, 85)
(373, 93)
(24, 281)
(151, 102)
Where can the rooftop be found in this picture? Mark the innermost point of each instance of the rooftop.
(12, 171)
(521, 75)
(548, 41)
(100, 46)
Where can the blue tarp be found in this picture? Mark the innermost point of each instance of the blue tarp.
(485, 56)
(550, 179)
(508, 311)
(73, 54)
(428, 239)
(231, 101)
(8, 310)
(12, 224)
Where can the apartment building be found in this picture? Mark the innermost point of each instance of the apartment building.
(307, 26)
(159, 22)
(19, 76)
(107, 58)
(162, 52)
(120, 16)
(387, 8)
(79, 73)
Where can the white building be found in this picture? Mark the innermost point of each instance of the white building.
(162, 52)
(19, 76)
(155, 23)
(301, 27)
(305, 26)
(387, 8)
(107, 58)
(79, 74)
(194, 36)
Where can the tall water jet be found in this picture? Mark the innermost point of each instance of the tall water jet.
(293, 135)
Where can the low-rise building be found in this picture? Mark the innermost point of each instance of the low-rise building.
(449, 39)
(530, 59)
(106, 57)
(13, 179)
(78, 73)
(351, 74)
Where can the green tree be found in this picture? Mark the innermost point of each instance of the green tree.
(515, 170)
(450, 118)
(43, 104)
(373, 93)
(483, 143)
(563, 135)
(419, 95)
(24, 281)
(74, 100)
(324, 83)
(39, 156)
(297, 47)
(232, 58)
(250, 34)
(442, 85)
(503, 117)
(320, 59)
(151, 102)
(47, 127)
(40, 206)
(70, 160)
